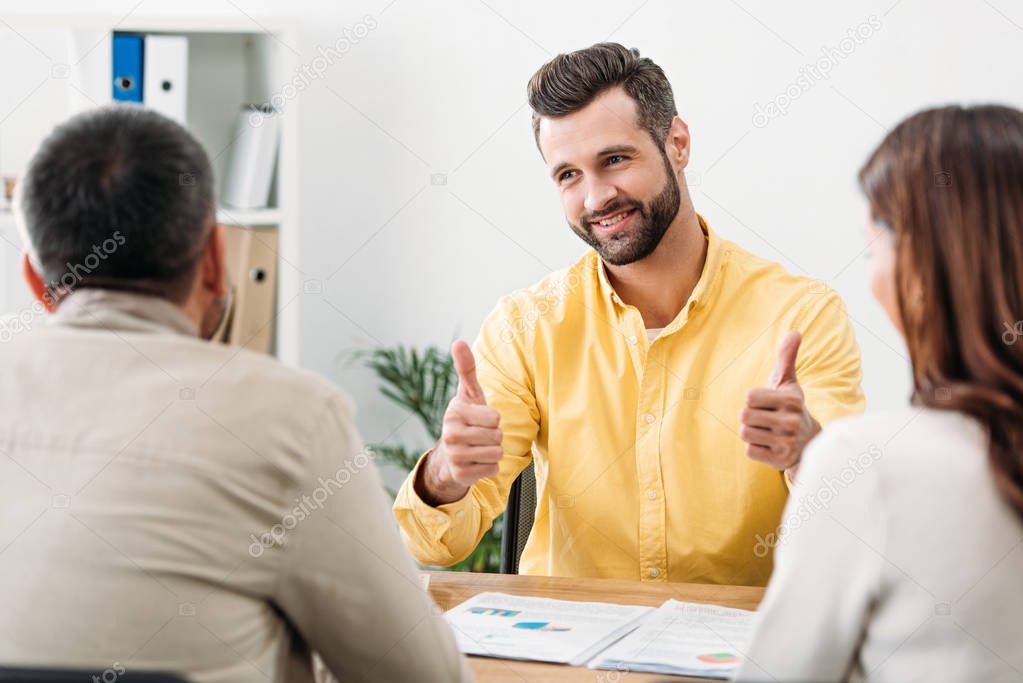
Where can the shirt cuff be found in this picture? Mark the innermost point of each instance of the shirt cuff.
(434, 521)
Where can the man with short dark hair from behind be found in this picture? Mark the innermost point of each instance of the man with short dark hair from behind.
(170, 503)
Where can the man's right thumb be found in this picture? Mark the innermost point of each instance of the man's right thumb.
(469, 388)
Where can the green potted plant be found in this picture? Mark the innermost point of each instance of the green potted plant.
(423, 382)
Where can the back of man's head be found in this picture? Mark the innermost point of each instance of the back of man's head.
(118, 197)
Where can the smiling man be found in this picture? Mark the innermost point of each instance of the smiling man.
(664, 385)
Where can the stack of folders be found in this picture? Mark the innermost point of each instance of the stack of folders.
(676, 638)
(152, 70)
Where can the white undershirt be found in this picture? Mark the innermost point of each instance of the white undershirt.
(652, 332)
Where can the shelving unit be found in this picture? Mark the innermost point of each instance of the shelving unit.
(231, 62)
(250, 218)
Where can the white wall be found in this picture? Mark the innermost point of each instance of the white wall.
(438, 88)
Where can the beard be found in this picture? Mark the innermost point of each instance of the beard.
(629, 246)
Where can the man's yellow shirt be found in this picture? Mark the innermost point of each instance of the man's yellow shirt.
(640, 470)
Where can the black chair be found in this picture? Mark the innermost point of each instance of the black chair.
(30, 675)
(518, 519)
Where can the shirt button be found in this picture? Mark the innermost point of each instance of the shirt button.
(654, 572)
(649, 418)
(632, 339)
(652, 495)
(459, 513)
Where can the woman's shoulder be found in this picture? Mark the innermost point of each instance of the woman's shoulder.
(904, 443)
(912, 426)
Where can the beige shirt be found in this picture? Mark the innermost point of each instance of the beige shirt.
(899, 561)
(173, 504)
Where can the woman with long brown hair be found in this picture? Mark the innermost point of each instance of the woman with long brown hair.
(902, 544)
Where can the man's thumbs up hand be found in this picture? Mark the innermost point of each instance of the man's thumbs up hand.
(776, 424)
(470, 444)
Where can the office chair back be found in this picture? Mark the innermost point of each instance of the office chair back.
(518, 520)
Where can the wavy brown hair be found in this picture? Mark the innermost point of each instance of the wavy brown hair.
(949, 183)
(571, 81)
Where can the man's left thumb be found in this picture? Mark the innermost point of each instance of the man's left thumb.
(785, 369)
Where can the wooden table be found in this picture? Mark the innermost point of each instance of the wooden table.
(451, 588)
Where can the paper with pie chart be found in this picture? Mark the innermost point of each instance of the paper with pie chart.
(683, 638)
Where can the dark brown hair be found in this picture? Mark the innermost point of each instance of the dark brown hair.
(949, 183)
(571, 81)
